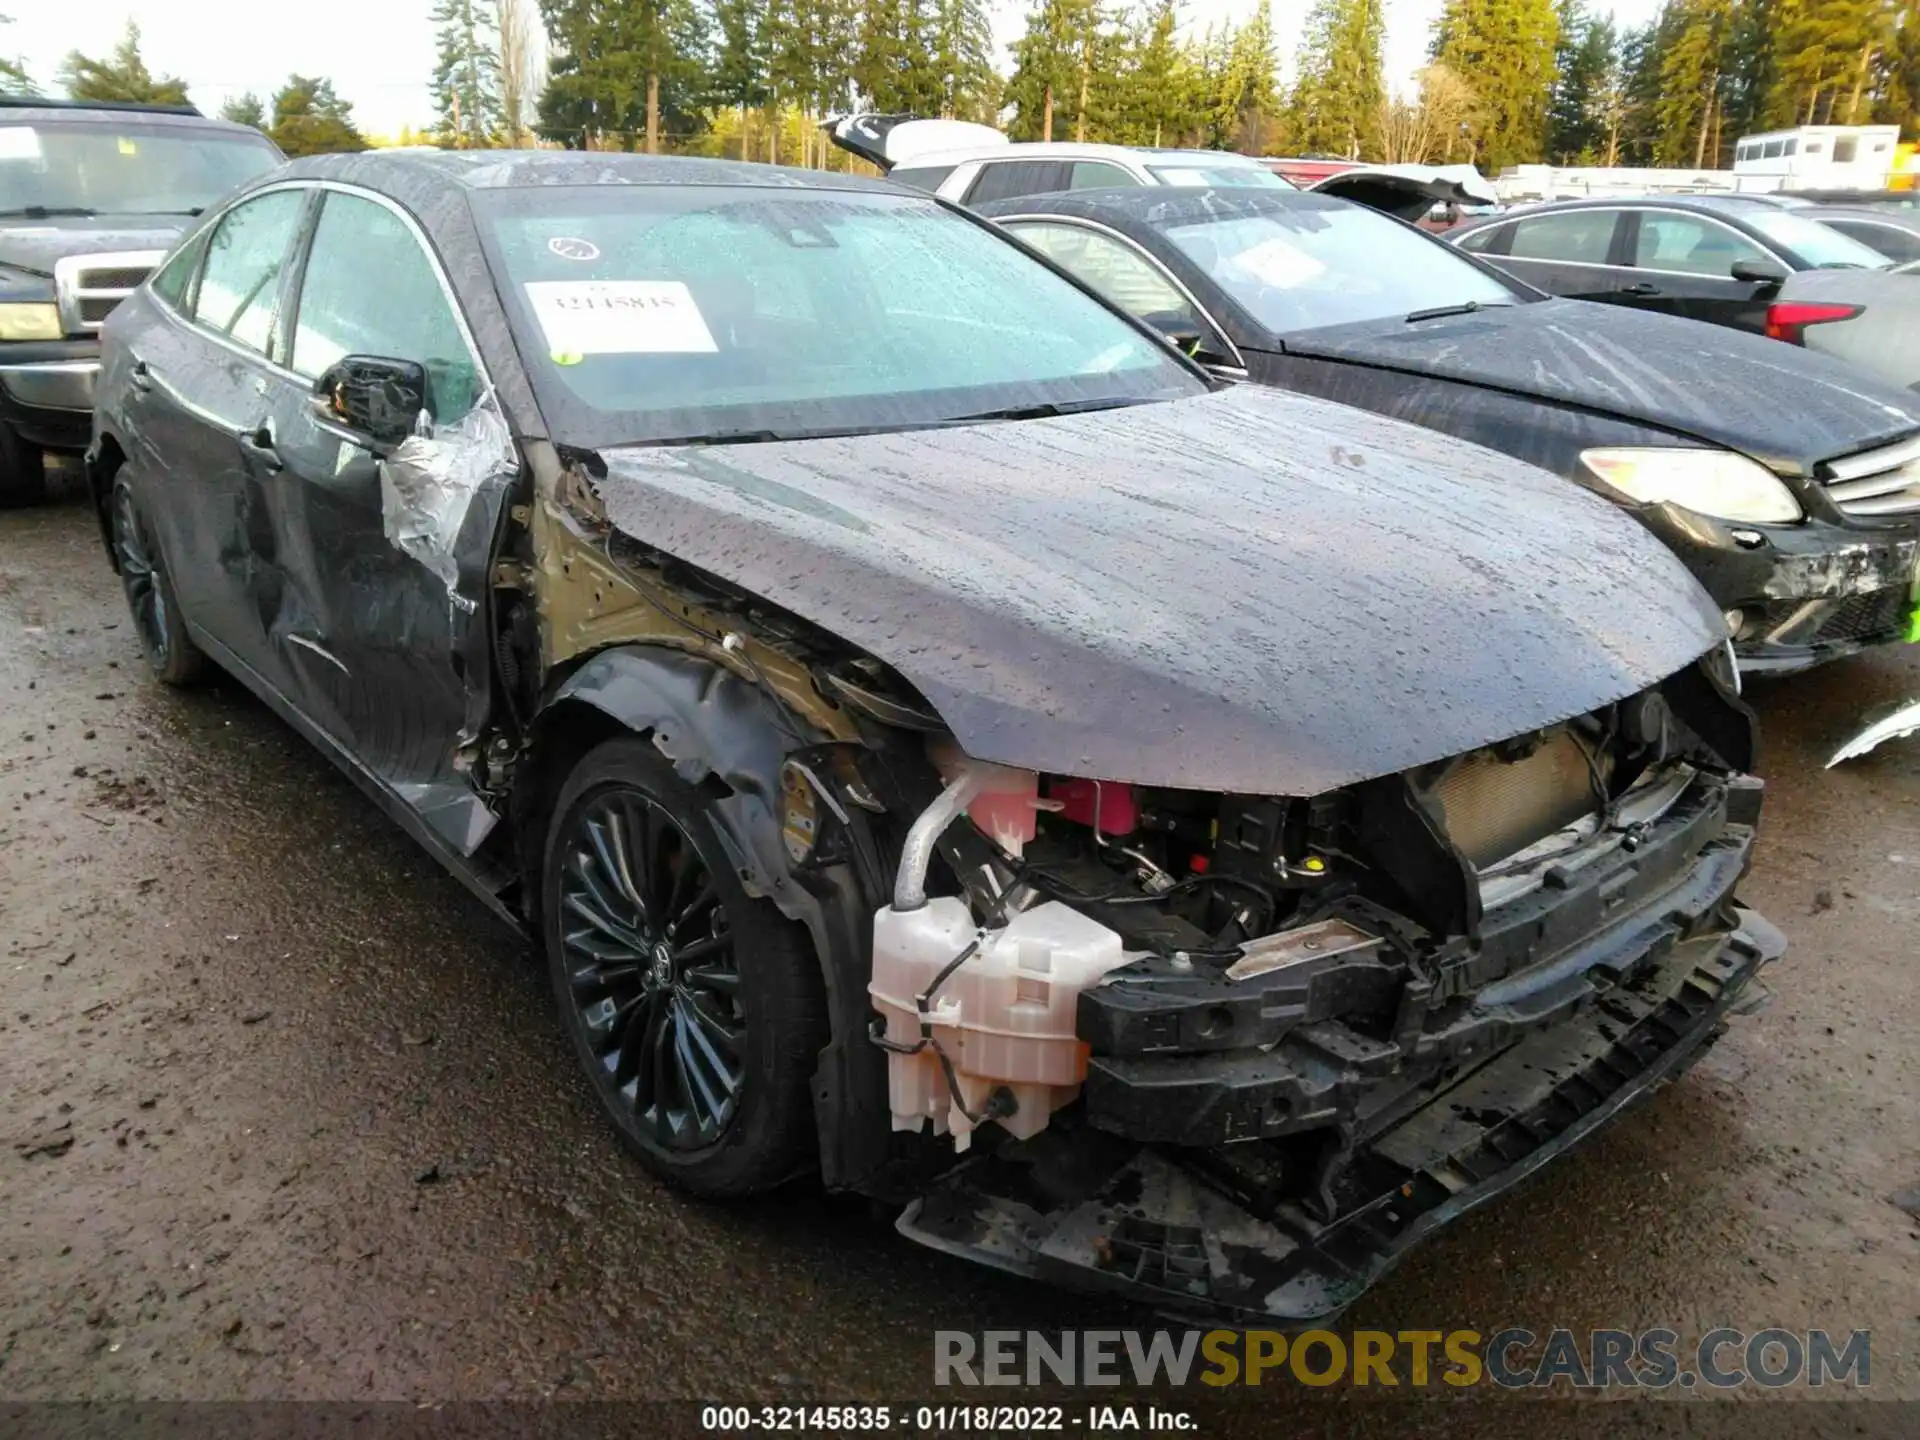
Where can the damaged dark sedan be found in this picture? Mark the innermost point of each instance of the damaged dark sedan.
(1789, 485)
(1180, 840)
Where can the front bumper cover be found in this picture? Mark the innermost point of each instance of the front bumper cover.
(1806, 593)
(47, 390)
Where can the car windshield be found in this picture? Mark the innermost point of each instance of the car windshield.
(124, 167)
(1819, 247)
(654, 313)
(1223, 177)
(1325, 262)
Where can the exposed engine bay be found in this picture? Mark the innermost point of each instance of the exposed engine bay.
(1205, 1022)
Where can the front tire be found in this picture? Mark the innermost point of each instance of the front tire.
(696, 1010)
(170, 651)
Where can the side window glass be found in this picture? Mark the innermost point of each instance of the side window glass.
(369, 289)
(1889, 240)
(1098, 175)
(174, 281)
(921, 177)
(1580, 236)
(1004, 179)
(1115, 269)
(1690, 245)
(1481, 242)
(240, 286)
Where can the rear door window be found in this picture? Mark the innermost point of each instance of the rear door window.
(1098, 175)
(240, 287)
(1005, 179)
(1582, 237)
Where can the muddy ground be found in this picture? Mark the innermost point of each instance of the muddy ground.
(285, 1113)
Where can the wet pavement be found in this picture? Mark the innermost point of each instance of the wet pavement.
(287, 1115)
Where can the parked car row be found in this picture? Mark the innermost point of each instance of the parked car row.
(1104, 724)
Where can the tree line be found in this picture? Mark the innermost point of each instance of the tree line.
(1507, 81)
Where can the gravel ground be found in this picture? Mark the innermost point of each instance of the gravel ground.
(287, 1116)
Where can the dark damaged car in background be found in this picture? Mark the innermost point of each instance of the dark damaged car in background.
(1788, 483)
(1175, 839)
(92, 195)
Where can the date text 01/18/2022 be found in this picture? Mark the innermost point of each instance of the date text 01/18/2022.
(941, 1419)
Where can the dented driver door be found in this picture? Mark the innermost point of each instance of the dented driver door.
(377, 636)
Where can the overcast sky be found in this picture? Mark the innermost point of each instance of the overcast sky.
(379, 53)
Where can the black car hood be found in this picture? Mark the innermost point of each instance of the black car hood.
(1774, 402)
(35, 244)
(1246, 591)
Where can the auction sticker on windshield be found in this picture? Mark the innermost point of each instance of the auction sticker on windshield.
(619, 317)
(17, 142)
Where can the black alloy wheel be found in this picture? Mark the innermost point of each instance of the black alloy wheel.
(170, 651)
(651, 968)
(696, 1009)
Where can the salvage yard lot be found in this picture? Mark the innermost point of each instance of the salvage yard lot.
(287, 1114)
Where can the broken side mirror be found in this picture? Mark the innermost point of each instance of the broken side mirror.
(375, 397)
(1759, 272)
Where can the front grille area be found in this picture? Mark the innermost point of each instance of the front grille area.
(1877, 483)
(89, 286)
(1871, 616)
(1494, 808)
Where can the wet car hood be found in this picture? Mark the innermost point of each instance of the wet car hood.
(1246, 591)
(34, 245)
(1774, 402)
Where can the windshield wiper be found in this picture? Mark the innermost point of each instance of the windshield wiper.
(48, 212)
(1044, 410)
(1467, 307)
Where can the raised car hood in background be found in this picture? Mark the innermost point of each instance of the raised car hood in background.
(35, 244)
(1409, 191)
(1247, 591)
(890, 140)
(1774, 402)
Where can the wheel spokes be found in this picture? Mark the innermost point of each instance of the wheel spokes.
(662, 1017)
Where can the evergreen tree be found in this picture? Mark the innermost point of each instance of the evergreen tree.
(1692, 68)
(739, 78)
(310, 119)
(245, 110)
(1642, 54)
(122, 76)
(894, 69)
(1250, 89)
(466, 77)
(1155, 84)
(1586, 77)
(1339, 96)
(14, 79)
(1506, 48)
(1897, 95)
(1748, 63)
(1045, 84)
(963, 60)
(623, 70)
(1824, 52)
